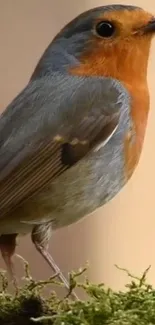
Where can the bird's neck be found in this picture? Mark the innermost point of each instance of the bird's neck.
(58, 57)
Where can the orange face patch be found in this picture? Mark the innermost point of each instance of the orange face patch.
(127, 21)
(120, 55)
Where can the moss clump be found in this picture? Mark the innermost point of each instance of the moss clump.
(135, 306)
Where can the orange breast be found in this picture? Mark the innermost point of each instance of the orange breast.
(136, 84)
(126, 62)
(139, 116)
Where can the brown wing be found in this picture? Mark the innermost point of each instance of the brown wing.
(51, 159)
(39, 142)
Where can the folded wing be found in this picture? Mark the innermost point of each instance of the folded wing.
(51, 125)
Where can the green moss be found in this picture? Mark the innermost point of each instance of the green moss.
(135, 306)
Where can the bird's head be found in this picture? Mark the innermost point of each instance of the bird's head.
(112, 41)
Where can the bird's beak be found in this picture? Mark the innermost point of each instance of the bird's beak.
(149, 28)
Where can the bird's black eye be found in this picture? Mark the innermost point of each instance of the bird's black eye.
(105, 29)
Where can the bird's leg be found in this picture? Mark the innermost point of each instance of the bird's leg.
(7, 248)
(40, 237)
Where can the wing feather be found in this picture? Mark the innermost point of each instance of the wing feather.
(46, 131)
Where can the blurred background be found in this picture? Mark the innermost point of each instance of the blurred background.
(123, 231)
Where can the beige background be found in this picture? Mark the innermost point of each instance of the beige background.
(122, 232)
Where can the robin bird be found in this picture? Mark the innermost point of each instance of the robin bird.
(72, 138)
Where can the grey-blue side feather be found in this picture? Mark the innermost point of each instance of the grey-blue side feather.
(73, 107)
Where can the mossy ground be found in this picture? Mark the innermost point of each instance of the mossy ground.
(135, 306)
